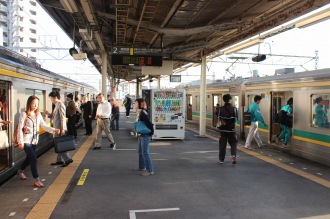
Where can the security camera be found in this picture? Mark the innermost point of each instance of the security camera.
(80, 56)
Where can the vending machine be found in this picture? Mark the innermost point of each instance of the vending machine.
(167, 110)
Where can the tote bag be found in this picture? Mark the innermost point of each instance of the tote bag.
(141, 128)
(64, 144)
(3, 140)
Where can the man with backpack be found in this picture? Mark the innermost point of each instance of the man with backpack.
(228, 117)
(285, 119)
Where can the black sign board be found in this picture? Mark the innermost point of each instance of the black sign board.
(136, 51)
(136, 60)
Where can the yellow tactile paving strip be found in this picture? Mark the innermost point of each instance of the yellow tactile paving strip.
(47, 203)
(301, 173)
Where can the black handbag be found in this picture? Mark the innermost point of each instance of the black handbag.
(64, 144)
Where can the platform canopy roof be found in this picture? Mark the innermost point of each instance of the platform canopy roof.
(183, 29)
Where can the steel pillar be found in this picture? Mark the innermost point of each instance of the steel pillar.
(202, 99)
(104, 74)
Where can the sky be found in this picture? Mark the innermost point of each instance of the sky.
(295, 42)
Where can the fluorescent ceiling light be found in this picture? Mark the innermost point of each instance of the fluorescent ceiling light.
(242, 46)
(85, 34)
(314, 19)
(69, 5)
(98, 59)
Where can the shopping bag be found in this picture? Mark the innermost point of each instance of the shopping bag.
(64, 144)
(141, 128)
(3, 140)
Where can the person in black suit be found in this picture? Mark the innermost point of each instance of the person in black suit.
(87, 108)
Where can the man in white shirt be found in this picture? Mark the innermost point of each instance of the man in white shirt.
(103, 113)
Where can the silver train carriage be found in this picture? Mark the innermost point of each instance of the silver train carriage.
(310, 90)
(20, 78)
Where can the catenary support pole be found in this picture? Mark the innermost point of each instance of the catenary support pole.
(202, 99)
(104, 74)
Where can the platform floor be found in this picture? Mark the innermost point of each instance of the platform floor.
(188, 183)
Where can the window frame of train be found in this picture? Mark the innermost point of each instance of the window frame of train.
(6, 155)
(41, 94)
(326, 103)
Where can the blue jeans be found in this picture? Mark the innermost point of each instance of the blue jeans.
(31, 158)
(144, 155)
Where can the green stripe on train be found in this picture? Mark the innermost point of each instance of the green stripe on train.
(311, 135)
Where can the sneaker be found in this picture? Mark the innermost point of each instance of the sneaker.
(221, 161)
(262, 146)
(248, 147)
(21, 175)
(233, 160)
(113, 146)
(38, 184)
(147, 174)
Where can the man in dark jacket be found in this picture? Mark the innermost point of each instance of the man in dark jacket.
(71, 115)
(228, 116)
(87, 108)
(127, 104)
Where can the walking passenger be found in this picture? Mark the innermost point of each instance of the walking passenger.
(255, 118)
(228, 116)
(103, 113)
(145, 162)
(286, 123)
(87, 108)
(59, 122)
(71, 115)
(114, 114)
(127, 104)
(28, 136)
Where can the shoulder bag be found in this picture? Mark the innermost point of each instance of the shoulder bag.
(64, 143)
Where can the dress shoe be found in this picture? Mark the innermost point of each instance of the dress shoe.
(57, 163)
(67, 163)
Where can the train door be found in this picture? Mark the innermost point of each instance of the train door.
(216, 103)
(5, 151)
(189, 107)
(279, 99)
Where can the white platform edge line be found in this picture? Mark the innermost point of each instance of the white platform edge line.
(154, 210)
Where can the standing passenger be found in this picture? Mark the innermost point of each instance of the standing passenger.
(114, 114)
(145, 162)
(228, 116)
(59, 122)
(287, 124)
(87, 108)
(28, 136)
(71, 114)
(128, 103)
(255, 118)
(103, 113)
(320, 114)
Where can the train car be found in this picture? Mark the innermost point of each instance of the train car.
(21, 77)
(310, 91)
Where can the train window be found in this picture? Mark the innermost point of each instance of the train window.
(197, 103)
(235, 101)
(5, 155)
(320, 110)
(38, 93)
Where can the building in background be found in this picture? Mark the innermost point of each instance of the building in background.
(18, 21)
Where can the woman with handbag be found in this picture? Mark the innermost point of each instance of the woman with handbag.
(145, 162)
(58, 117)
(28, 136)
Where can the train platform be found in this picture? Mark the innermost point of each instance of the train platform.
(189, 182)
